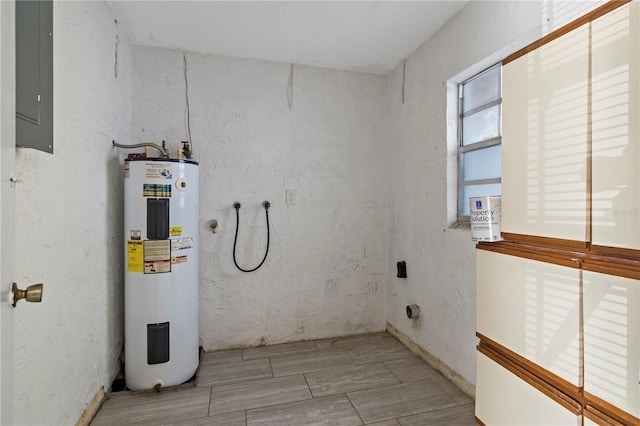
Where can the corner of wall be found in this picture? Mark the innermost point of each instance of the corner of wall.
(465, 386)
(68, 214)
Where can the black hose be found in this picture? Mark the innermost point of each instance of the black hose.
(235, 239)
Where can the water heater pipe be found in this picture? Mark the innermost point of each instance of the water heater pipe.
(141, 145)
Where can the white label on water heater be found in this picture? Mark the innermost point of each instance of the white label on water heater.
(157, 256)
(181, 243)
(158, 170)
(157, 250)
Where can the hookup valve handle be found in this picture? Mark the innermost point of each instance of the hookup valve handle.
(265, 204)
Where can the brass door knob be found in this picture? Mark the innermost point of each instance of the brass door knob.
(33, 293)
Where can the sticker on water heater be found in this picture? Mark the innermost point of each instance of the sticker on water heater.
(135, 256)
(157, 256)
(179, 259)
(127, 172)
(175, 230)
(157, 266)
(158, 170)
(181, 243)
(159, 250)
(156, 190)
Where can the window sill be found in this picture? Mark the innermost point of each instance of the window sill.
(460, 225)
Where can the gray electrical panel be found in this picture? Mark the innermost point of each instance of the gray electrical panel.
(34, 75)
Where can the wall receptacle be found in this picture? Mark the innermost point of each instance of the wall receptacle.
(290, 196)
(402, 269)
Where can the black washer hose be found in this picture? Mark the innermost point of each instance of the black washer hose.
(236, 205)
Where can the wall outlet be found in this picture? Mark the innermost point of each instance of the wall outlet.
(290, 197)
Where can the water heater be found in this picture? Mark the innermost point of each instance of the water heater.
(161, 275)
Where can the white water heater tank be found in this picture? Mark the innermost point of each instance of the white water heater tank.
(161, 272)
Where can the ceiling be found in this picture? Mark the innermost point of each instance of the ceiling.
(364, 36)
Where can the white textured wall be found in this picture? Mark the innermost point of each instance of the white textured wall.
(7, 212)
(441, 259)
(326, 272)
(69, 225)
(370, 176)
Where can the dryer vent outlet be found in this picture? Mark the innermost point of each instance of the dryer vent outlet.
(413, 312)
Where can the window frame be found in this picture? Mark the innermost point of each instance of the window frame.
(485, 143)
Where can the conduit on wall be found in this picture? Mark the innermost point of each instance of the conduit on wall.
(290, 87)
(186, 96)
(404, 75)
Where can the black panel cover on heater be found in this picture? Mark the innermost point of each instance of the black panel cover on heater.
(157, 343)
(157, 218)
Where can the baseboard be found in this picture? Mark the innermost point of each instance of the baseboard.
(433, 361)
(92, 409)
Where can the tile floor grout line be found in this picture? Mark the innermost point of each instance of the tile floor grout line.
(272, 405)
(391, 371)
(253, 380)
(273, 376)
(350, 357)
(301, 400)
(308, 387)
(275, 405)
(400, 382)
(354, 408)
(364, 389)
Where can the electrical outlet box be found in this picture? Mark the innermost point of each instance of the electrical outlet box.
(290, 197)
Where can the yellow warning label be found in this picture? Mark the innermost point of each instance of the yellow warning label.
(135, 256)
(175, 230)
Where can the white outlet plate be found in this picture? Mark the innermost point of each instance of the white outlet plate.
(290, 197)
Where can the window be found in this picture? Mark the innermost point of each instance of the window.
(479, 138)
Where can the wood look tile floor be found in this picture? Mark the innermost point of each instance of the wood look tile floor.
(369, 379)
